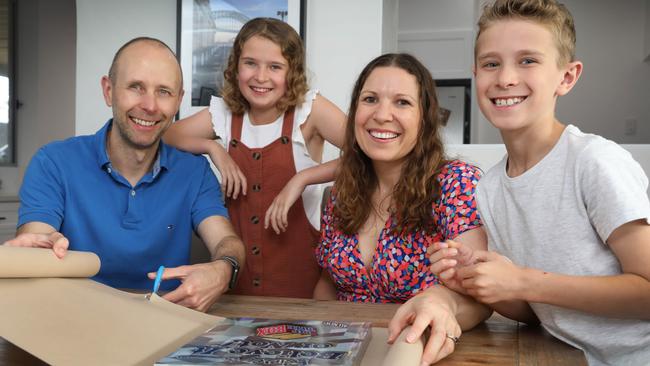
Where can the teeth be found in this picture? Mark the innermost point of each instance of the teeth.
(383, 135)
(508, 102)
(142, 122)
(260, 90)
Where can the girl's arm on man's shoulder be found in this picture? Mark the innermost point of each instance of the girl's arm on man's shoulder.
(193, 134)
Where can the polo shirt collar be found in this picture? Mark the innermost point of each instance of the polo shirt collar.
(162, 160)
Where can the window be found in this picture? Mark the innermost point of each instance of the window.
(7, 122)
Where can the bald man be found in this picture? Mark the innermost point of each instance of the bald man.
(125, 195)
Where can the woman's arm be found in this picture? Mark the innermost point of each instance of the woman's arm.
(445, 311)
(325, 289)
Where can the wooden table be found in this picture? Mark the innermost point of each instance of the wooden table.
(499, 341)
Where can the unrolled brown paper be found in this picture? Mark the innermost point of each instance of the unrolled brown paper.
(77, 321)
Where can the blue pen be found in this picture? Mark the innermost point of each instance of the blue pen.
(156, 282)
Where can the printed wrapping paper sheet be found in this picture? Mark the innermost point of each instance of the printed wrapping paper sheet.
(77, 321)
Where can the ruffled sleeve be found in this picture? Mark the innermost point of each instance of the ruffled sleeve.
(221, 120)
(302, 112)
(456, 212)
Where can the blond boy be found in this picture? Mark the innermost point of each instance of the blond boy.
(566, 212)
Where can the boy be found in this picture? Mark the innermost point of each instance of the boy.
(566, 212)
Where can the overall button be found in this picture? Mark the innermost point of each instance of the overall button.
(255, 219)
(257, 282)
(233, 142)
(257, 155)
(257, 187)
(255, 250)
(284, 139)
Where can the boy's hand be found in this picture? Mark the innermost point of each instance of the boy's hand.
(276, 214)
(233, 181)
(446, 258)
(494, 278)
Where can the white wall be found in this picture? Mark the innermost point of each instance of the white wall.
(612, 95)
(615, 84)
(45, 81)
(647, 30)
(102, 27)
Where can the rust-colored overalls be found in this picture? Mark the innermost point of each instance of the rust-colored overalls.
(276, 265)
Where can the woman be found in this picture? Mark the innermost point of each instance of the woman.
(394, 196)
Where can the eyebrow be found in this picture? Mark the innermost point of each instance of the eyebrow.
(248, 58)
(519, 53)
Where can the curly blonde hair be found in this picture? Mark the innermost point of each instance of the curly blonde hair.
(293, 51)
(417, 188)
(549, 13)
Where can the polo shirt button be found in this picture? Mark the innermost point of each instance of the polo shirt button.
(132, 193)
(255, 250)
(109, 170)
(255, 219)
(257, 282)
(257, 187)
(257, 155)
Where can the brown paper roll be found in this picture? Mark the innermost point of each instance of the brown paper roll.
(21, 262)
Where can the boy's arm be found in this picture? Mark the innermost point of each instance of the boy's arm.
(447, 257)
(276, 214)
(627, 295)
(195, 134)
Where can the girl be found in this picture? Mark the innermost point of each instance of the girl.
(273, 130)
(395, 194)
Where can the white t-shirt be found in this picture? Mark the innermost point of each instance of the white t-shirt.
(257, 136)
(556, 217)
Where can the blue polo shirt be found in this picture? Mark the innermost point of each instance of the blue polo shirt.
(72, 186)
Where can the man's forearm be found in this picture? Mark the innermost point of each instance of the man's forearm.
(232, 246)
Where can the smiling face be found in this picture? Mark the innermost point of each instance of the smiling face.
(262, 74)
(517, 74)
(388, 116)
(144, 95)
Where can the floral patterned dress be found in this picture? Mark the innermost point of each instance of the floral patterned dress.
(400, 267)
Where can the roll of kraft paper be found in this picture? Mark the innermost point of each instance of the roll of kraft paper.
(21, 262)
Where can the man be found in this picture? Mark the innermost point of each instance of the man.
(125, 195)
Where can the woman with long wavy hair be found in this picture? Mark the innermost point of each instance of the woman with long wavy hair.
(395, 195)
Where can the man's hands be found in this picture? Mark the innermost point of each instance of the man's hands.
(55, 240)
(431, 308)
(201, 284)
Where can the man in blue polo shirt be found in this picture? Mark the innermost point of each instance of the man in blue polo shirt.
(125, 195)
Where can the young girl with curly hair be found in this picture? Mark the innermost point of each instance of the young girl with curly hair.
(271, 130)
